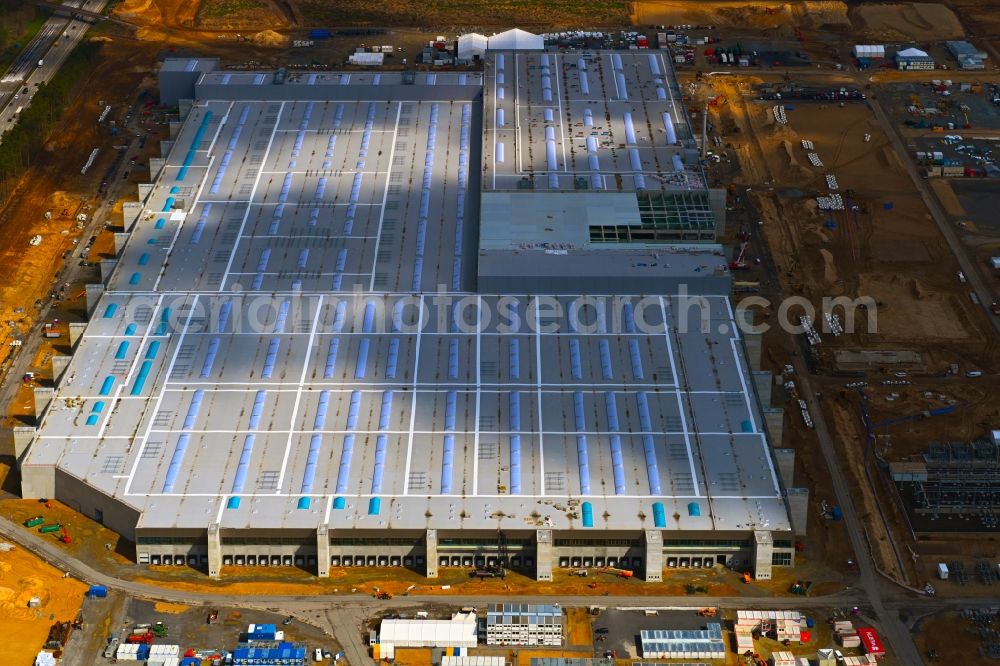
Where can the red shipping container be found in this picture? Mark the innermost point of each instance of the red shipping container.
(871, 641)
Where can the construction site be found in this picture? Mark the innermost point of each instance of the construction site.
(806, 173)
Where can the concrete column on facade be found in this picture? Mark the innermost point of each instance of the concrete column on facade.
(763, 380)
(545, 555)
(76, 329)
(23, 436)
(155, 166)
(431, 556)
(107, 268)
(43, 397)
(323, 551)
(130, 213)
(763, 554)
(654, 556)
(774, 417)
(94, 293)
(59, 365)
(214, 551)
(786, 466)
(798, 508)
(120, 240)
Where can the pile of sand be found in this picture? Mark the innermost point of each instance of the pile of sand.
(916, 21)
(269, 38)
(830, 276)
(792, 169)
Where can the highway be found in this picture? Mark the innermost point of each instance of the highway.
(51, 46)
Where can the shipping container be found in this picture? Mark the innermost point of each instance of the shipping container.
(99, 591)
(33, 522)
(47, 529)
(942, 571)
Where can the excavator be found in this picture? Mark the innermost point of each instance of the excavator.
(65, 537)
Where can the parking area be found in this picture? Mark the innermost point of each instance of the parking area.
(190, 628)
(940, 102)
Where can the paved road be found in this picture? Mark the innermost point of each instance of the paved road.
(897, 634)
(71, 273)
(51, 46)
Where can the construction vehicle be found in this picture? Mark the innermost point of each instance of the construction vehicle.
(48, 529)
(708, 612)
(159, 630)
(34, 522)
(621, 573)
(747, 577)
(582, 573)
(65, 537)
(385, 596)
(213, 616)
(498, 570)
(141, 636)
(739, 263)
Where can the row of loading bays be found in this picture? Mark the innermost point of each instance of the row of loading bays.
(268, 560)
(576, 562)
(469, 561)
(375, 561)
(685, 562)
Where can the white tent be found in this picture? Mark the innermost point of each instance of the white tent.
(869, 51)
(912, 53)
(471, 45)
(516, 39)
(460, 631)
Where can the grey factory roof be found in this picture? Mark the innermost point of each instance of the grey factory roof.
(290, 340)
(595, 120)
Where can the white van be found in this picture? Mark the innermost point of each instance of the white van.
(318, 655)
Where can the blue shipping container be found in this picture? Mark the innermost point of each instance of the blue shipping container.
(837, 515)
(319, 33)
(97, 591)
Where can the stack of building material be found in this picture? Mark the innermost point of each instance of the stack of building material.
(865, 660)
(783, 659)
(163, 655)
(846, 634)
(744, 639)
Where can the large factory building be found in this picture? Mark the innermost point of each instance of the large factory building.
(402, 318)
